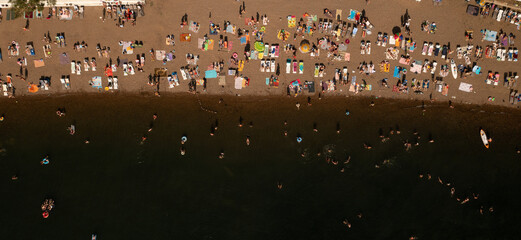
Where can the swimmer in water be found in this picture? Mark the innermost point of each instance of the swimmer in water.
(240, 121)
(87, 140)
(183, 150)
(247, 140)
(154, 117)
(143, 139)
(452, 191)
(298, 105)
(347, 112)
(216, 125)
(251, 124)
(221, 155)
(150, 127)
(315, 127)
(285, 123)
(285, 133)
(72, 129)
(279, 185)
(347, 223)
(367, 146)
(431, 140)
(338, 127)
(212, 130)
(184, 139)
(372, 104)
(45, 160)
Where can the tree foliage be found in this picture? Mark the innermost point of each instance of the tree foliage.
(22, 6)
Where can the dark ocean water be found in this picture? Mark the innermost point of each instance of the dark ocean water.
(121, 189)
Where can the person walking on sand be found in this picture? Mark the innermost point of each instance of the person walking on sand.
(26, 28)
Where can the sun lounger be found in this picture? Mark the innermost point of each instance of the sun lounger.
(73, 67)
(78, 68)
(109, 86)
(116, 83)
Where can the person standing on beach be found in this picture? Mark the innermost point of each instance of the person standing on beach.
(26, 28)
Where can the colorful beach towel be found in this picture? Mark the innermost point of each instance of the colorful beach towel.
(210, 74)
(96, 82)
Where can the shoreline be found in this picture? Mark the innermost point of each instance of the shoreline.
(214, 99)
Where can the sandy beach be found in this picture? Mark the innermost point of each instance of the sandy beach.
(163, 18)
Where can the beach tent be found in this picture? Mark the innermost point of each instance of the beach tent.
(304, 46)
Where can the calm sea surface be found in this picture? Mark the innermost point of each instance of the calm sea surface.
(119, 188)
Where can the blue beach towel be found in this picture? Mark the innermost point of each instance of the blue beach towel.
(210, 74)
(396, 72)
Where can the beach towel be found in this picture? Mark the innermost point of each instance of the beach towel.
(403, 61)
(186, 37)
(193, 27)
(416, 67)
(160, 55)
(310, 86)
(238, 82)
(342, 47)
(473, 10)
(292, 21)
(39, 63)
(96, 82)
(352, 15)
(231, 29)
(490, 35)
(243, 40)
(347, 57)
(396, 73)
(338, 15)
(465, 87)
(127, 48)
(210, 74)
(210, 44)
(199, 82)
(64, 59)
(222, 81)
(160, 72)
(200, 43)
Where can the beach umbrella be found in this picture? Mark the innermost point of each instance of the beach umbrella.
(304, 46)
(259, 46)
(397, 30)
(33, 88)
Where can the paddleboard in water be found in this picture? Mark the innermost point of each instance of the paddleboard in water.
(454, 69)
(484, 138)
